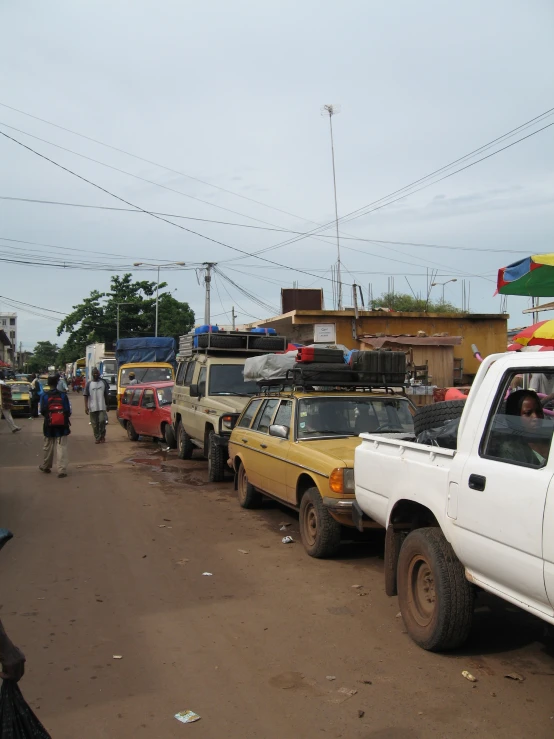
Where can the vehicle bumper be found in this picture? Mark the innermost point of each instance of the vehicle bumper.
(339, 505)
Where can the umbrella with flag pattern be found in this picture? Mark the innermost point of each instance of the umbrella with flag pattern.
(532, 276)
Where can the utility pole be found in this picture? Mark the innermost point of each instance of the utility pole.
(332, 110)
(208, 266)
(233, 316)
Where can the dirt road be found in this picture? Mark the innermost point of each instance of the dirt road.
(109, 562)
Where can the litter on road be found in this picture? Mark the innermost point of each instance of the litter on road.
(187, 717)
(515, 676)
(287, 540)
(243, 551)
(117, 656)
(207, 574)
(469, 676)
(331, 677)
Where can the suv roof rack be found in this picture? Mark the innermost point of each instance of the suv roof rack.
(296, 379)
(230, 342)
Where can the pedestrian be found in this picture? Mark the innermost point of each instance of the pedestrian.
(96, 405)
(132, 379)
(6, 404)
(56, 411)
(36, 392)
(12, 659)
(62, 385)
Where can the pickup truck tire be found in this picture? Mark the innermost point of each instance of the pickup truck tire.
(169, 436)
(319, 531)
(217, 457)
(436, 600)
(247, 494)
(185, 447)
(131, 433)
(437, 414)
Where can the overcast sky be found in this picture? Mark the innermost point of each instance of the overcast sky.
(230, 93)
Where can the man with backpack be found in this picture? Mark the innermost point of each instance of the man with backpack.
(56, 411)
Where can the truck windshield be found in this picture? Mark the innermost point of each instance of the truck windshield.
(336, 416)
(146, 374)
(227, 379)
(108, 367)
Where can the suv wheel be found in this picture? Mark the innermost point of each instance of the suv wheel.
(185, 446)
(169, 436)
(247, 494)
(216, 460)
(131, 433)
(436, 600)
(319, 531)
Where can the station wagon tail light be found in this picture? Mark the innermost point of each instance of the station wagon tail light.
(227, 421)
(341, 480)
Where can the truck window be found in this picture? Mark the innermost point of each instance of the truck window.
(148, 400)
(227, 379)
(519, 431)
(249, 413)
(189, 373)
(180, 379)
(263, 420)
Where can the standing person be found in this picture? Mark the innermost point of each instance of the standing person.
(6, 404)
(62, 385)
(96, 405)
(56, 411)
(36, 392)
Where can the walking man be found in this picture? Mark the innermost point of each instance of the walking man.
(56, 411)
(96, 405)
(6, 404)
(36, 391)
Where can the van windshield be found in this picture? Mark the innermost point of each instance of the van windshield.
(145, 374)
(108, 367)
(227, 379)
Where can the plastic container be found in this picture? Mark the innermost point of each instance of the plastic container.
(264, 331)
(206, 329)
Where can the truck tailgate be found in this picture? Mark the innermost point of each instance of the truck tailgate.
(387, 470)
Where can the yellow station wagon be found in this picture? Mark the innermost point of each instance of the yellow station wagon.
(298, 447)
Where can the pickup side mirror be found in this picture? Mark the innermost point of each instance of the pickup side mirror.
(194, 391)
(282, 432)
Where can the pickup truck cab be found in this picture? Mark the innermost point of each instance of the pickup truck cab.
(481, 514)
(145, 410)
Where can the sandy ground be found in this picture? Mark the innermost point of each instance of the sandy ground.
(109, 562)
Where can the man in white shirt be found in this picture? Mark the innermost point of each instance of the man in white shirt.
(96, 405)
(6, 404)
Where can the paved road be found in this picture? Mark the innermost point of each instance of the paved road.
(109, 562)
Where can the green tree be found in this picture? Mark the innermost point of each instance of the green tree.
(95, 319)
(409, 304)
(45, 354)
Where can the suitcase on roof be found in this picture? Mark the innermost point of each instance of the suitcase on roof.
(380, 367)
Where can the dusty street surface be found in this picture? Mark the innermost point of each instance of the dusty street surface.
(109, 562)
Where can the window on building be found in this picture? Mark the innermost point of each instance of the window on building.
(12, 321)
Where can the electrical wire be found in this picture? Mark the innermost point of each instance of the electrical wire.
(221, 301)
(30, 305)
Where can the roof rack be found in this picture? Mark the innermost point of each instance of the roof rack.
(295, 379)
(230, 342)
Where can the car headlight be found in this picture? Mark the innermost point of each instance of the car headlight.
(341, 480)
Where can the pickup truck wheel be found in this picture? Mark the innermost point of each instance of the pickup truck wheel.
(319, 531)
(247, 494)
(131, 433)
(216, 460)
(185, 446)
(436, 600)
(169, 436)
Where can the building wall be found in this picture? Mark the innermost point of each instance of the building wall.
(487, 331)
(8, 323)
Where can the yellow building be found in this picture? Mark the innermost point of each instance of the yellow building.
(487, 331)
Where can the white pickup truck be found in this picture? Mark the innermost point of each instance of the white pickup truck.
(481, 514)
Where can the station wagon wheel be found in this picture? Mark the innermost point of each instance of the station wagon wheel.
(131, 433)
(435, 598)
(319, 531)
(248, 496)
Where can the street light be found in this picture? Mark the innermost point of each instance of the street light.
(433, 284)
(158, 266)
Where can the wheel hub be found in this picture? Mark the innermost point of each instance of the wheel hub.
(423, 598)
(310, 524)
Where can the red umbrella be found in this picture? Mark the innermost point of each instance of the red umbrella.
(539, 334)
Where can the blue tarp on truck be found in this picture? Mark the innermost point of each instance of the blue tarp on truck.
(147, 349)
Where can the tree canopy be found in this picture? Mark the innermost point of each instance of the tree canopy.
(45, 354)
(95, 319)
(411, 304)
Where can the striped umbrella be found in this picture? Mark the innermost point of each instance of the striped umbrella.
(539, 334)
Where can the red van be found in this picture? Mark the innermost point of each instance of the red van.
(145, 410)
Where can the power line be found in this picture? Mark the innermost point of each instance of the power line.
(127, 202)
(30, 305)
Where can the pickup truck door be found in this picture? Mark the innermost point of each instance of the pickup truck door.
(548, 544)
(501, 498)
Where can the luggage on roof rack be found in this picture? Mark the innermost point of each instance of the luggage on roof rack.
(380, 366)
(240, 342)
(320, 354)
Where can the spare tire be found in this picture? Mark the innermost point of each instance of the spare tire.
(269, 343)
(437, 414)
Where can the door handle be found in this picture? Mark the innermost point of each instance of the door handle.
(264, 446)
(245, 441)
(477, 482)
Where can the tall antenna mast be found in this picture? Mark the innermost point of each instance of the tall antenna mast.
(332, 110)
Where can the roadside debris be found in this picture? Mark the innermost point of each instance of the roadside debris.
(117, 656)
(343, 694)
(469, 676)
(361, 714)
(284, 525)
(515, 676)
(153, 483)
(398, 615)
(182, 561)
(287, 540)
(207, 574)
(187, 717)
(357, 586)
(330, 677)
(243, 551)
(365, 682)
(161, 525)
